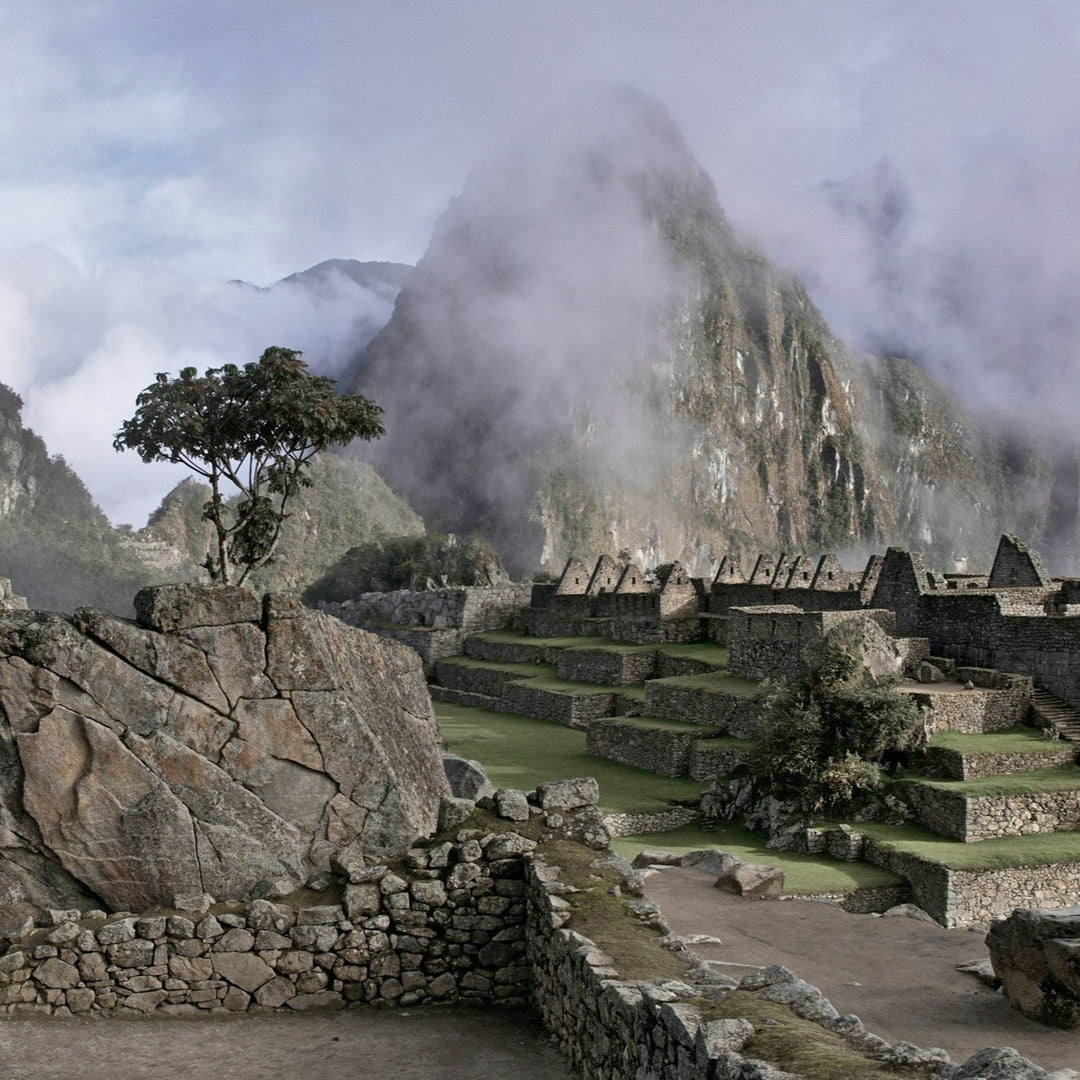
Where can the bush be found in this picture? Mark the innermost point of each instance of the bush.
(822, 743)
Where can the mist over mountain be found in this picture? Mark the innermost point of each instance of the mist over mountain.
(56, 546)
(588, 358)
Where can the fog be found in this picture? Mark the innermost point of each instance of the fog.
(914, 162)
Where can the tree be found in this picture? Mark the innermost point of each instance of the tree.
(821, 742)
(256, 428)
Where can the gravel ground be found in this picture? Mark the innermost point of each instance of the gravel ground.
(438, 1044)
(898, 975)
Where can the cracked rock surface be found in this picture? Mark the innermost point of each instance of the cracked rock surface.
(218, 741)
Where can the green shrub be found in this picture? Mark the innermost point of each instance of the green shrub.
(822, 742)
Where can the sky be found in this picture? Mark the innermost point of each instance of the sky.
(916, 163)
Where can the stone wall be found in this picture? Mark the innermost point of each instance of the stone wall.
(709, 761)
(977, 897)
(695, 705)
(981, 817)
(769, 642)
(571, 710)
(607, 668)
(447, 926)
(470, 679)
(658, 750)
(471, 609)
(511, 652)
(957, 766)
(974, 711)
(435, 622)
(650, 822)
(973, 629)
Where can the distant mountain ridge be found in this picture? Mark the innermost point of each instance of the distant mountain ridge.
(56, 545)
(587, 358)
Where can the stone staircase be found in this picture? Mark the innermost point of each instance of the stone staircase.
(1057, 715)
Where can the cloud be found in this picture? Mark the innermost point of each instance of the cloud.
(165, 149)
(79, 348)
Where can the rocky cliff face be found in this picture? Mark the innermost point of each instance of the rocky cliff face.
(587, 358)
(219, 741)
(55, 544)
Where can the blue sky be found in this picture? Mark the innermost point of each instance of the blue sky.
(918, 163)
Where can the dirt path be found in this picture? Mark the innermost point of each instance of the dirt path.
(447, 1044)
(897, 974)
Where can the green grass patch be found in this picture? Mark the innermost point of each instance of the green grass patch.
(1042, 849)
(804, 875)
(717, 682)
(516, 637)
(705, 651)
(726, 742)
(556, 685)
(1030, 782)
(525, 670)
(658, 723)
(519, 752)
(602, 917)
(1015, 740)
(800, 1046)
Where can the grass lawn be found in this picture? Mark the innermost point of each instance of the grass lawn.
(1061, 778)
(1003, 851)
(804, 875)
(525, 670)
(519, 752)
(717, 682)
(582, 689)
(516, 637)
(658, 723)
(1015, 740)
(695, 650)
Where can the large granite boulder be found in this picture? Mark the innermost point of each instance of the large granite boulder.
(1036, 955)
(219, 741)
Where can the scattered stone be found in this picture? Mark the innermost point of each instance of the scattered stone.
(928, 673)
(983, 969)
(993, 1063)
(511, 804)
(753, 881)
(910, 911)
(1036, 954)
(467, 779)
(568, 794)
(645, 859)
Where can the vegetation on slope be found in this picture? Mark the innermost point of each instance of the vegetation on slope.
(414, 561)
(347, 502)
(57, 547)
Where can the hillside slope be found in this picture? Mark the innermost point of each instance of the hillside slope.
(587, 358)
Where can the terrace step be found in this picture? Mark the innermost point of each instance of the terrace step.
(1037, 802)
(714, 701)
(658, 746)
(500, 649)
(1058, 715)
(463, 697)
(479, 677)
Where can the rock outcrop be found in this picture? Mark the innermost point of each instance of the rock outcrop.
(219, 741)
(1036, 955)
(632, 374)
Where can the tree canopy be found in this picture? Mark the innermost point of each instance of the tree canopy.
(822, 741)
(256, 428)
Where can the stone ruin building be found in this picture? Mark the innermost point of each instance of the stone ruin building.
(1015, 619)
